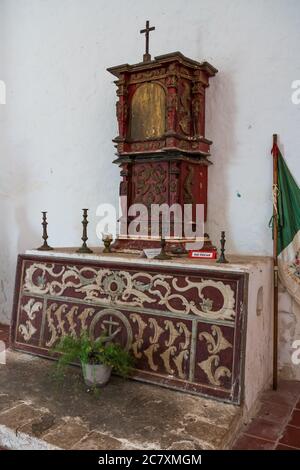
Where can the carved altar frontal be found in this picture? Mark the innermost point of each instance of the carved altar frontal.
(184, 326)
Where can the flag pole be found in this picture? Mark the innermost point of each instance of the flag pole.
(275, 262)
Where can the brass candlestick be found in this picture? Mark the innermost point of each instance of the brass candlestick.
(45, 246)
(162, 254)
(84, 248)
(222, 258)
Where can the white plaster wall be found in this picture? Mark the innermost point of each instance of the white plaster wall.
(57, 125)
(259, 342)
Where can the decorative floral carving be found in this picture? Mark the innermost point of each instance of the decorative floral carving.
(132, 289)
(158, 331)
(188, 186)
(166, 356)
(216, 343)
(185, 108)
(31, 309)
(137, 345)
(150, 182)
(27, 330)
(178, 360)
(149, 354)
(213, 372)
(173, 333)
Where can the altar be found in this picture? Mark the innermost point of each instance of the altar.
(191, 325)
(194, 325)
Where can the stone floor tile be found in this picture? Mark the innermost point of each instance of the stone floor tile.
(291, 437)
(265, 429)
(291, 386)
(207, 435)
(97, 441)
(281, 397)
(274, 412)
(245, 442)
(184, 445)
(66, 435)
(283, 447)
(7, 401)
(295, 419)
(18, 416)
(39, 426)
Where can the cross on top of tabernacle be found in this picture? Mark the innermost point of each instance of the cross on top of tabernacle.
(146, 31)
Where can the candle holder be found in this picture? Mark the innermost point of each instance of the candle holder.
(45, 246)
(84, 248)
(107, 240)
(222, 258)
(162, 255)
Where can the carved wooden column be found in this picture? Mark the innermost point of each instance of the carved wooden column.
(122, 110)
(172, 105)
(125, 197)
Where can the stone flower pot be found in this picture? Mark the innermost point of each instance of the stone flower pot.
(96, 375)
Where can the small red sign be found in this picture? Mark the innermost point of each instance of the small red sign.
(203, 254)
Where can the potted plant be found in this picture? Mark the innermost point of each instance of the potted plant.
(97, 357)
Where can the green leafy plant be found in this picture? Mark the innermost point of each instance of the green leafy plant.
(90, 351)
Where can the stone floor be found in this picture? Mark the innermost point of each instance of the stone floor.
(277, 423)
(37, 412)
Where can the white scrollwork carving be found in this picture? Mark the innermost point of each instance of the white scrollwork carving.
(178, 360)
(132, 289)
(214, 375)
(139, 336)
(27, 330)
(216, 342)
(205, 305)
(183, 329)
(149, 354)
(158, 331)
(31, 308)
(173, 333)
(85, 314)
(166, 359)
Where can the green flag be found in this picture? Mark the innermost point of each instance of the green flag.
(288, 220)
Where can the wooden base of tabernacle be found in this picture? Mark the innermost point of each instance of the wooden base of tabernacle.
(136, 245)
(191, 325)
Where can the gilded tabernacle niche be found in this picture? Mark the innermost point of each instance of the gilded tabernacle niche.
(147, 113)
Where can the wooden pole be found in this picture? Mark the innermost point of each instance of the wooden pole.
(275, 262)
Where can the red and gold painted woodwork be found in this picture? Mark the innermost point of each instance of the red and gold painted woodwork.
(185, 327)
(162, 149)
(161, 105)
